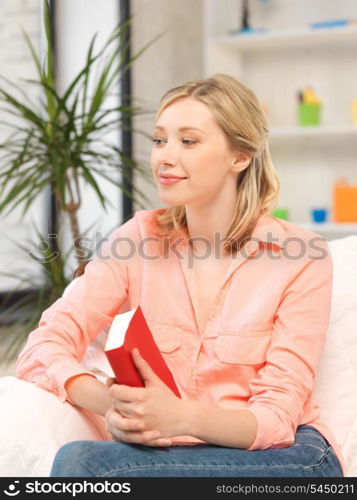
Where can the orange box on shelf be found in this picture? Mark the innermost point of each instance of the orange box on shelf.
(345, 202)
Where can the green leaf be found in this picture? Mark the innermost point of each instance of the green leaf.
(23, 111)
(90, 179)
(33, 53)
(16, 191)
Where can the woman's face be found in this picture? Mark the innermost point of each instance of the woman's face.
(188, 143)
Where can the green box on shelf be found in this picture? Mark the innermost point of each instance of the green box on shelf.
(309, 114)
(282, 213)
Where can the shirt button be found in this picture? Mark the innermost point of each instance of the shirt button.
(193, 372)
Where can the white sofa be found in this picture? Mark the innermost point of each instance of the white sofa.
(336, 382)
(34, 423)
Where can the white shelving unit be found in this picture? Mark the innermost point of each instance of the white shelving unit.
(324, 132)
(331, 229)
(278, 62)
(289, 39)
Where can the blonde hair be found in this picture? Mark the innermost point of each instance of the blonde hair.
(241, 118)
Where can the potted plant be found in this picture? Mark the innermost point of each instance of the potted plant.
(56, 142)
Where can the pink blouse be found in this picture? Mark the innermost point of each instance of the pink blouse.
(261, 345)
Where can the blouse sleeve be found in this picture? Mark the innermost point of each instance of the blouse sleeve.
(55, 348)
(284, 384)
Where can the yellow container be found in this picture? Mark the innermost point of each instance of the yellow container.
(345, 203)
(354, 112)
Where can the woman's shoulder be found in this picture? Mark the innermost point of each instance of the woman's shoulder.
(291, 237)
(146, 221)
(291, 228)
(142, 223)
(148, 216)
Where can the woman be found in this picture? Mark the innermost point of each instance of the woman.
(238, 303)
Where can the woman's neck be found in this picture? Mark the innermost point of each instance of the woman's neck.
(209, 225)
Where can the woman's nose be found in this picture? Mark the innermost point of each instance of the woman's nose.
(169, 154)
(168, 162)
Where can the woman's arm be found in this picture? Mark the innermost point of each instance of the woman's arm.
(89, 393)
(54, 350)
(219, 426)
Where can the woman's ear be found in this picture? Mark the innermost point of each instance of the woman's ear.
(241, 161)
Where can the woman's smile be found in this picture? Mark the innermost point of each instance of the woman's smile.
(166, 181)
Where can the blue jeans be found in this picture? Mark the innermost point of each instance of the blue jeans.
(309, 456)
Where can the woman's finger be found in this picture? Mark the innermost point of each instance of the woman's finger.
(132, 431)
(134, 437)
(110, 381)
(160, 442)
(124, 408)
(122, 423)
(147, 438)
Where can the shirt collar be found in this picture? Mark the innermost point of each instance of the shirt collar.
(268, 232)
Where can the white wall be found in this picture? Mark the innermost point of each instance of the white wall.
(76, 23)
(174, 58)
(16, 64)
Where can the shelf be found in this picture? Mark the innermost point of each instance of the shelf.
(290, 39)
(338, 228)
(313, 131)
(275, 63)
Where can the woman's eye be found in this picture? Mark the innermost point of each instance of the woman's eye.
(157, 141)
(187, 142)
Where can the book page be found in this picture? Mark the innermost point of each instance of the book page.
(118, 330)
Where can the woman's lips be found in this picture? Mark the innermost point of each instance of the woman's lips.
(170, 180)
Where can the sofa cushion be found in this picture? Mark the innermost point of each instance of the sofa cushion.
(336, 381)
(34, 424)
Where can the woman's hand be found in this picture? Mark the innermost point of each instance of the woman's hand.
(144, 415)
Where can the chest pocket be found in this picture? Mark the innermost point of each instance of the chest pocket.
(247, 349)
(168, 338)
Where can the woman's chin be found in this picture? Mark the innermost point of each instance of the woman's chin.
(173, 202)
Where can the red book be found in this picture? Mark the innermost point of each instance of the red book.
(129, 330)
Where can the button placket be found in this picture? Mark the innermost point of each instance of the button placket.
(190, 280)
(190, 284)
(216, 305)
